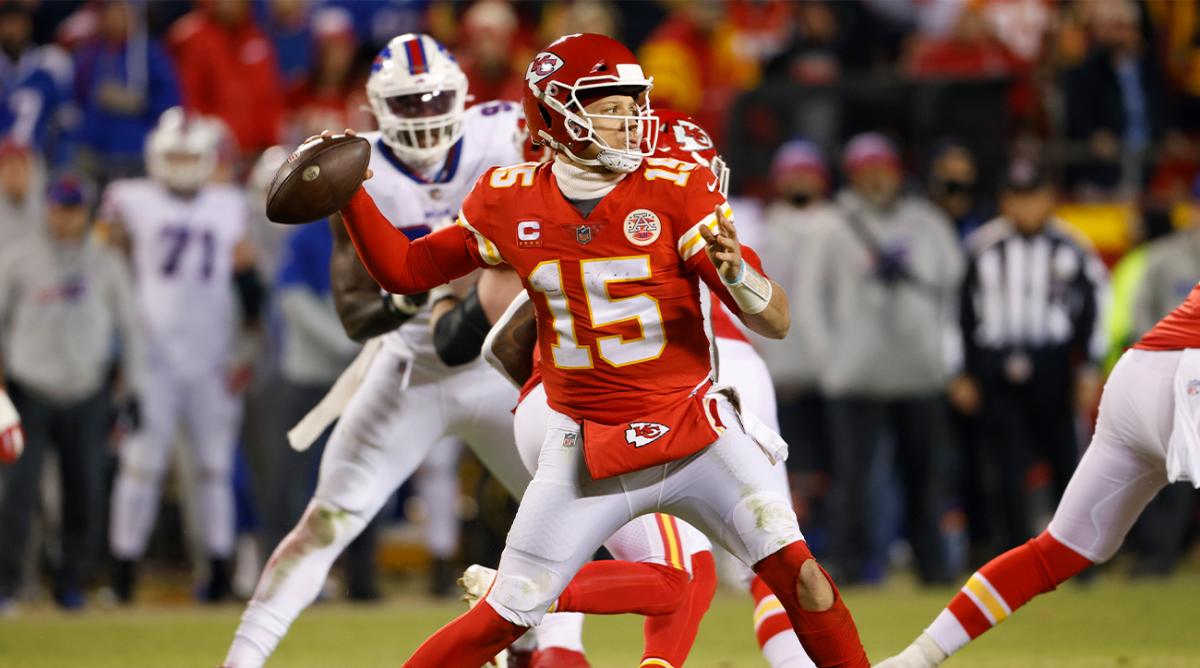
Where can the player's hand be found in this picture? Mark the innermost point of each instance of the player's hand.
(326, 135)
(723, 247)
(12, 436)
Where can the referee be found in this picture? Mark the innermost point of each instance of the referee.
(1033, 340)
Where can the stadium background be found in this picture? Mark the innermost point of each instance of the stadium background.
(1001, 79)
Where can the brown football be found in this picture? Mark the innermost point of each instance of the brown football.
(318, 179)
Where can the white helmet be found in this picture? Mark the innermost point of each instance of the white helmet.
(418, 94)
(183, 149)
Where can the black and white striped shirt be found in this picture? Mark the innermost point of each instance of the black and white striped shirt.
(1030, 293)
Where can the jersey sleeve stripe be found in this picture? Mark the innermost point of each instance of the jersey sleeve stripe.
(691, 242)
(487, 250)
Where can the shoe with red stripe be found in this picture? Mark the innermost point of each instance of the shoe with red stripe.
(558, 657)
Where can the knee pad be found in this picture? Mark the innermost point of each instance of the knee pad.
(523, 600)
(765, 523)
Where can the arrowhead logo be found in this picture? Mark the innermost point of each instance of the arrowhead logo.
(641, 434)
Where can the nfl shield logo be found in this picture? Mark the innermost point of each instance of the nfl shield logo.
(1193, 387)
(583, 234)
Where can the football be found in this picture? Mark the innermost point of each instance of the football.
(318, 179)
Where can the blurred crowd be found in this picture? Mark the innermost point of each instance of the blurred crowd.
(974, 205)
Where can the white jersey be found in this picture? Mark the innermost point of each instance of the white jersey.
(418, 204)
(183, 263)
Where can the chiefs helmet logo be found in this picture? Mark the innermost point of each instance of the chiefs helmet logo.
(640, 434)
(544, 64)
(691, 137)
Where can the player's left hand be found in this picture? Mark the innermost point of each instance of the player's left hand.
(723, 247)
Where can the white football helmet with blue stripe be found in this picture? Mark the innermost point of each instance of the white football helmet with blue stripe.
(418, 94)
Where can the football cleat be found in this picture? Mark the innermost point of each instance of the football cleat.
(558, 657)
(476, 581)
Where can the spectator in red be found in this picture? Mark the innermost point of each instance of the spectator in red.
(331, 95)
(490, 51)
(227, 68)
(970, 50)
(694, 63)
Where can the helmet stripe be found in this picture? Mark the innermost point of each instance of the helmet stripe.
(415, 50)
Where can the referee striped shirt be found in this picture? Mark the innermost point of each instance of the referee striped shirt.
(1032, 292)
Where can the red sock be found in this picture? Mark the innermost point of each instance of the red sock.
(469, 641)
(619, 587)
(1012, 579)
(829, 637)
(770, 619)
(669, 638)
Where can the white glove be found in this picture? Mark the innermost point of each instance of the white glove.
(12, 437)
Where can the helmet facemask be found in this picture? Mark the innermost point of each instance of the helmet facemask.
(640, 130)
(421, 123)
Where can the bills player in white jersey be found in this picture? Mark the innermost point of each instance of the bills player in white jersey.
(400, 404)
(185, 236)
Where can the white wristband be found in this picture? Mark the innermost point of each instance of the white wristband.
(751, 290)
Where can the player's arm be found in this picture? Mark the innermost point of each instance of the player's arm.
(734, 272)
(460, 325)
(248, 284)
(365, 310)
(510, 343)
(401, 266)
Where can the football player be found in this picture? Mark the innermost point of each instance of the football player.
(512, 343)
(1147, 435)
(185, 235)
(399, 401)
(611, 245)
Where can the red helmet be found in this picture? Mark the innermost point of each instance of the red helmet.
(564, 76)
(681, 137)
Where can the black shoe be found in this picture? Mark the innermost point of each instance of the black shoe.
(220, 582)
(124, 576)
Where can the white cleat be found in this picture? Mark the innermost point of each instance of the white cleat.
(476, 581)
(922, 653)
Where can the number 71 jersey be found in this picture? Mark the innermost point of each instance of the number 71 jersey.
(621, 329)
(183, 267)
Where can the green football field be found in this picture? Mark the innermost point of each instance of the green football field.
(1110, 623)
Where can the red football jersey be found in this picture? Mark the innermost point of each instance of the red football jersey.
(1179, 330)
(616, 294)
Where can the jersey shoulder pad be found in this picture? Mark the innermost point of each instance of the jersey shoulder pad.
(515, 178)
(494, 112)
(123, 193)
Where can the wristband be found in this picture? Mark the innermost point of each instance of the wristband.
(750, 290)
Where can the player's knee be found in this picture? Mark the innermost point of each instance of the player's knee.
(675, 585)
(323, 525)
(766, 523)
(521, 599)
(813, 589)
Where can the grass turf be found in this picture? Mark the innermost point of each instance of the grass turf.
(1110, 623)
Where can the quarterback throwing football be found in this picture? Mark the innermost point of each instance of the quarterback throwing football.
(611, 246)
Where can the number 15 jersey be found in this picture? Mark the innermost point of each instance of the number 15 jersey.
(621, 330)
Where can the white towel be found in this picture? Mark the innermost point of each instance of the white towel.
(771, 443)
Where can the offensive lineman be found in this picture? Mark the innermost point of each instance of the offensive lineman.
(185, 236)
(1147, 435)
(619, 323)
